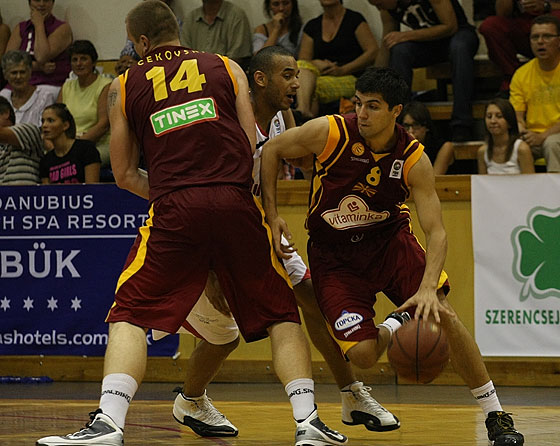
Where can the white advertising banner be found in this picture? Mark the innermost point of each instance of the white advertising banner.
(516, 242)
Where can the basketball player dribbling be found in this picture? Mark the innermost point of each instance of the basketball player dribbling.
(360, 237)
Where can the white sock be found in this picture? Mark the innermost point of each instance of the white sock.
(301, 393)
(487, 397)
(117, 391)
(390, 324)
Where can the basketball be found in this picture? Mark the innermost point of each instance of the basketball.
(418, 351)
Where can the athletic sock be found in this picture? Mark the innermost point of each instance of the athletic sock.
(487, 397)
(301, 393)
(117, 391)
(390, 324)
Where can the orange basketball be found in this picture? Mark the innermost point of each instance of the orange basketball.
(418, 351)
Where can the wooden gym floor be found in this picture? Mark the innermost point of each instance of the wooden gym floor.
(430, 415)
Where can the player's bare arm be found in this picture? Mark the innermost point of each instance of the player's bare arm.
(294, 143)
(125, 155)
(243, 104)
(421, 181)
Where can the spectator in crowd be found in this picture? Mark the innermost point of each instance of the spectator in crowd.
(124, 63)
(27, 100)
(283, 29)
(47, 40)
(220, 27)
(335, 48)
(4, 37)
(21, 149)
(535, 93)
(416, 119)
(504, 152)
(439, 32)
(69, 160)
(507, 33)
(86, 98)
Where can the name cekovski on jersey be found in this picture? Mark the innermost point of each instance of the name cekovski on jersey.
(347, 320)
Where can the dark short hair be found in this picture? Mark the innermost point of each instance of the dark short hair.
(63, 113)
(419, 112)
(83, 47)
(545, 19)
(263, 60)
(387, 82)
(153, 19)
(15, 57)
(5, 106)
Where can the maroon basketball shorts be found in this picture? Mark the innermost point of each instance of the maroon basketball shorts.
(189, 232)
(348, 276)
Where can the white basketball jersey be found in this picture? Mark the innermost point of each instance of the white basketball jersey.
(277, 126)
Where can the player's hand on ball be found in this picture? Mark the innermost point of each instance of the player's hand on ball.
(427, 303)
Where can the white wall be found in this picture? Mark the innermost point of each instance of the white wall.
(102, 21)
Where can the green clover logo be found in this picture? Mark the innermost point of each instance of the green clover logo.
(536, 261)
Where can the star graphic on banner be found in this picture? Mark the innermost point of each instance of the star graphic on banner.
(5, 304)
(76, 303)
(28, 303)
(52, 303)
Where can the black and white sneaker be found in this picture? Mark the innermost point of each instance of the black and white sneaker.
(313, 432)
(100, 431)
(501, 431)
(359, 407)
(201, 416)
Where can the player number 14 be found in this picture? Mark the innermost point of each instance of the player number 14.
(187, 76)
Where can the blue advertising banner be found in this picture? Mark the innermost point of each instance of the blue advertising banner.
(62, 249)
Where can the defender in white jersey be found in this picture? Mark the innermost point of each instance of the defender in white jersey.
(273, 81)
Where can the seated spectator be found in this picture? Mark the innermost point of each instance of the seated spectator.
(335, 48)
(69, 160)
(124, 63)
(535, 93)
(86, 98)
(504, 151)
(283, 29)
(507, 33)
(47, 39)
(439, 32)
(415, 118)
(220, 27)
(27, 100)
(21, 149)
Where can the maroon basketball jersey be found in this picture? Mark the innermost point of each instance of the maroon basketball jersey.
(180, 104)
(354, 190)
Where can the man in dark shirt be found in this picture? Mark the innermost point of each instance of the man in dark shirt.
(439, 32)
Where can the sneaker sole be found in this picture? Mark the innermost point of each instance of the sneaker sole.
(358, 419)
(492, 443)
(317, 443)
(75, 444)
(203, 429)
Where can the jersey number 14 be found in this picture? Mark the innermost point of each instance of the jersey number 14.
(187, 76)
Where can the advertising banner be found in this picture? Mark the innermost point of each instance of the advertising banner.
(62, 249)
(516, 238)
